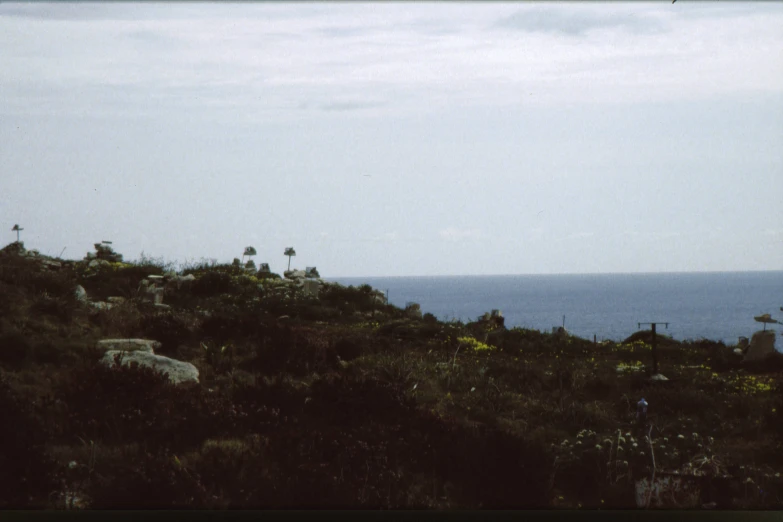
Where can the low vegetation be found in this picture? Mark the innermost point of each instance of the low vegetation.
(344, 401)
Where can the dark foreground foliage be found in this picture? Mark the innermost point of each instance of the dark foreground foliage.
(343, 401)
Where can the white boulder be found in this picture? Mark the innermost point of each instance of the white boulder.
(178, 371)
(81, 293)
(130, 345)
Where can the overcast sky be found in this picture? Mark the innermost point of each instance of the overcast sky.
(398, 138)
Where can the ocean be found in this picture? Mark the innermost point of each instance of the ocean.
(718, 306)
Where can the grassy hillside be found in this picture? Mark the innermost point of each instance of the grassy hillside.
(343, 401)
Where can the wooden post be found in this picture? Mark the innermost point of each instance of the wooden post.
(654, 343)
(654, 350)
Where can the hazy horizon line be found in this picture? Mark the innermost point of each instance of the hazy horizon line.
(562, 274)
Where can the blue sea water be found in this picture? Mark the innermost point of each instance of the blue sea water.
(718, 306)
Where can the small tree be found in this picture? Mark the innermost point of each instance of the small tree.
(249, 251)
(17, 229)
(289, 252)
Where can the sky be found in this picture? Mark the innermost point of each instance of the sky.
(398, 139)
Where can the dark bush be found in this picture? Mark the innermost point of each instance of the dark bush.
(296, 351)
(133, 403)
(214, 283)
(27, 475)
(156, 481)
(120, 282)
(347, 349)
(223, 326)
(60, 307)
(169, 328)
(52, 352)
(349, 299)
(15, 348)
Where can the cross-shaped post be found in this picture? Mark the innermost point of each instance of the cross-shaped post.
(654, 344)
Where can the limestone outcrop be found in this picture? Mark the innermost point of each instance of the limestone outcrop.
(178, 371)
(129, 345)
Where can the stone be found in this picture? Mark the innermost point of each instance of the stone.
(762, 345)
(738, 351)
(105, 252)
(413, 310)
(115, 300)
(51, 265)
(294, 274)
(155, 277)
(101, 305)
(658, 377)
(130, 345)
(311, 287)
(98, 263)
(179, 371)
(15, 248)
(81, 293)
(162, 306)
(311, 272)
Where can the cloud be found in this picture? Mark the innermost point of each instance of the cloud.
(460, 234)
(267, 60)
(575, 21)
(347, 106)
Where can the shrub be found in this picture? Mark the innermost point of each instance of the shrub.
(214, 283)
(15, 348)
(167, 327)
(136, 403)
(27, 475)
(60, 307)
(347, 349)
(155, 481)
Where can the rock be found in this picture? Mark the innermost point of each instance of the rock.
(15, 248)
(130, 345)
(100, 305)
(155, 278)
(294, 274)
(762, 345)
(51, 265)
(658, 377)
(81, 293)
(312, 272)
(106, 253)
(738, 351)
(311, 287)
(179, 371)
(98, 263)
(413, 310)
(162, 306)
(116, 300)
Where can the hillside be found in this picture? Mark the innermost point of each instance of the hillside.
(339, 400)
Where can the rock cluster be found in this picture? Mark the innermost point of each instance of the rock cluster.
(494, 319)
(413, 310)
(141, 351)
(45, 262)
(104, 252)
